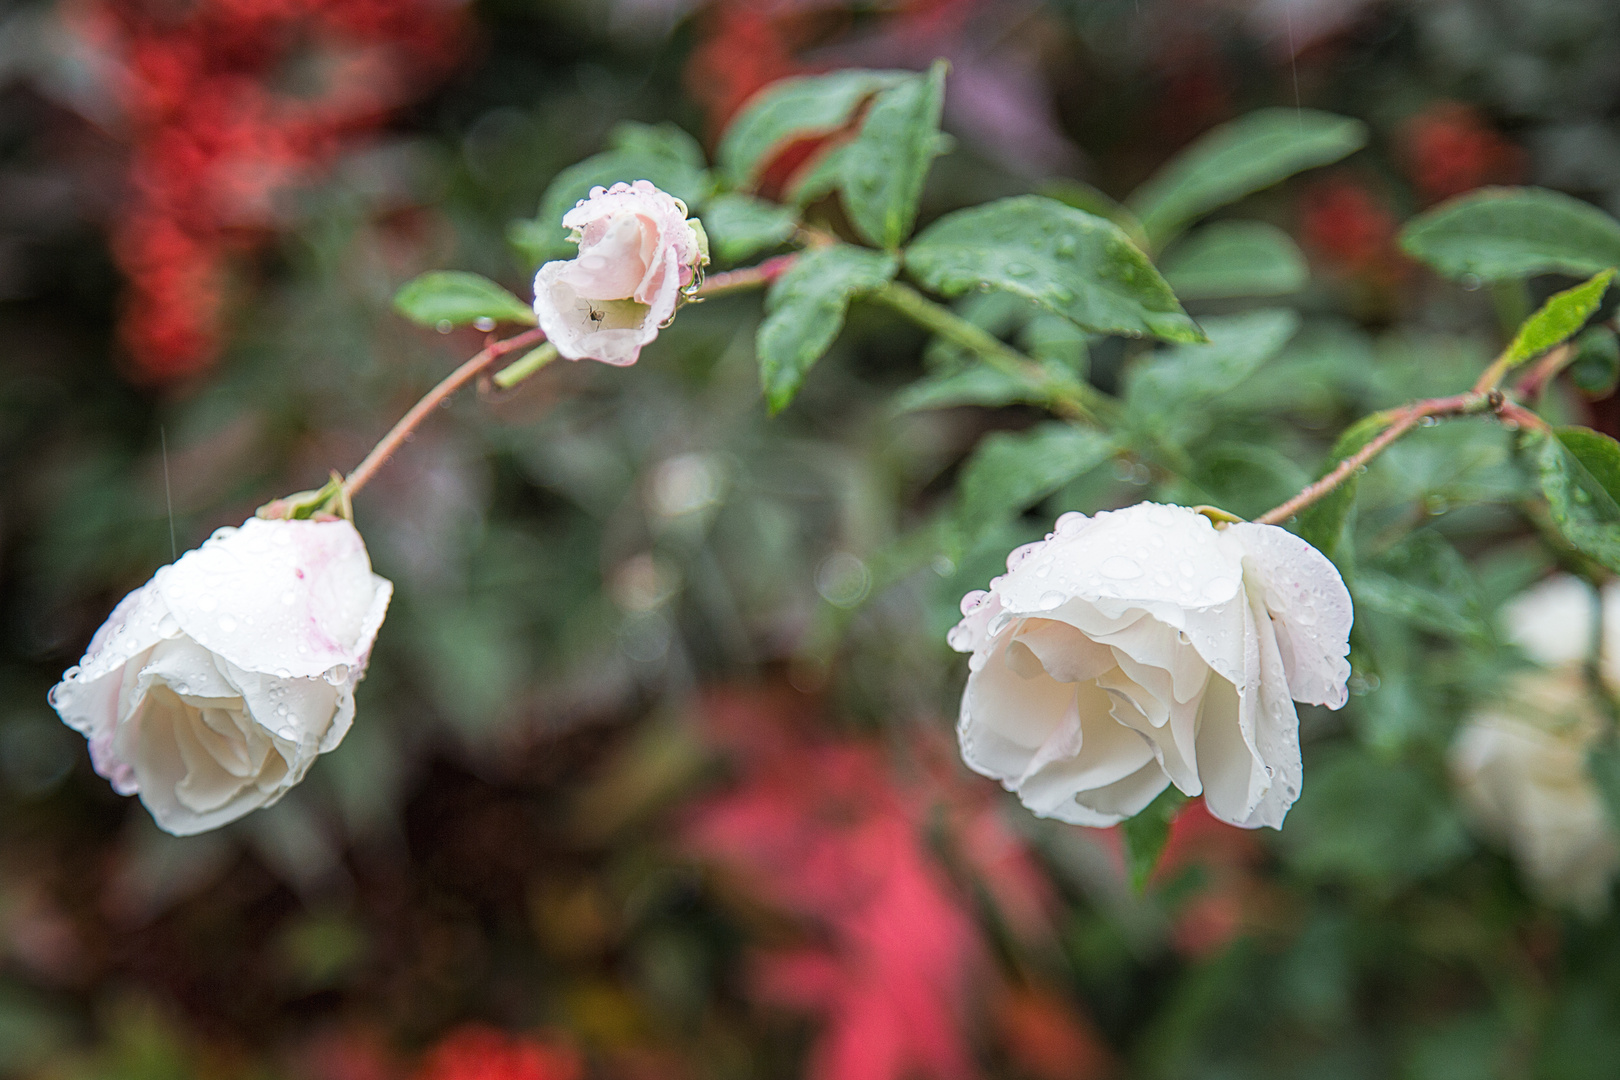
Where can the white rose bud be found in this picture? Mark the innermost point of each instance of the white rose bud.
(1145, 647)
(210, 690)
(1520, 763)
(638, 253)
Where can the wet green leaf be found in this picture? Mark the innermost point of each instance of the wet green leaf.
(458, 298)
(1238, 159)
(1507, 234)
(1073, 263)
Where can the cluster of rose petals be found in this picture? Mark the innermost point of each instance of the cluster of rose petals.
(1520, 762)
(211, 689)
(637, 252)
(1144, 647)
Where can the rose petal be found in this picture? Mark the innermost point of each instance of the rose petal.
(292, 598)
(1306, 596)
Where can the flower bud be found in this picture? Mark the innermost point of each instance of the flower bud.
(638, 258)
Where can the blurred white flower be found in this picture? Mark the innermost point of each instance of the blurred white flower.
(1145, 647)
(210, 690)
(637, 253)
(1520, 762)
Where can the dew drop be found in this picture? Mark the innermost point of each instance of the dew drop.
(208, 603)
(1050, 599)
(973, 600)
(1070, 523)
(1121, 568)
(227, 623)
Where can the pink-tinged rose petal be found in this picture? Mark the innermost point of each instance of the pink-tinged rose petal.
(211, 689)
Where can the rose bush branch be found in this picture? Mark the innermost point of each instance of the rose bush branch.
(401, 431)
(1066, 397)
(752, 277)
(1400, 421)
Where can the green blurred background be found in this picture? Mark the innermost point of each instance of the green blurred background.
(654, 761)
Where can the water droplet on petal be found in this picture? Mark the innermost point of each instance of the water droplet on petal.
(227, 623)
(1121, 568)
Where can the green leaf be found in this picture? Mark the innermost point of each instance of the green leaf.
(976, 385)
(1562, 315)
(458, 298)
(1146, 834)
(883, 169)
(805, 309)
(1083, 196)
(1236, 258)
(1238, 159)
(1507, 234)
(1175, 385)
(1073, 263)
(663, 154)
(1595, 371)
(1362, 819)
(740, 225)
(791, 109)
(1322, 523)
(1580, 476)
(1424, 581)
(1010, 472)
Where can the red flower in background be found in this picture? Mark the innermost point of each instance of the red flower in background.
(822, 830)
(827, 830)
(228, 103)
(1226, 856)
(1350, 227)
(1449, 149)
(476, 1052)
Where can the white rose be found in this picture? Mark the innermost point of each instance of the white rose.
(1145, 647)
(1520, 763)
(637, 252)
(211, 688)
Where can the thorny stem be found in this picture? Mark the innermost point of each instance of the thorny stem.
(1065, 397)
(1401, 421)
(752, 277)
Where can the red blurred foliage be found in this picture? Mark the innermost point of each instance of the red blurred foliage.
(226, 104)
(1047, 1040)
(1226, 857)
(1448, 149)
(745, 45)
(349, 1055)
(1350, 228)
(475, 1052)
(822, 829)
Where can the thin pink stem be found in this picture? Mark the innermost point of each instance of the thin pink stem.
(1403, 420)
(751, 277)
(408, 423)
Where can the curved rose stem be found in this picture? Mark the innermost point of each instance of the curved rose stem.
(408, 423)
(1401, 421)
(751, 277)
(1066, 397)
